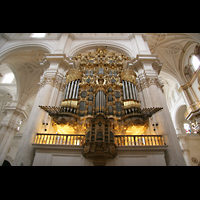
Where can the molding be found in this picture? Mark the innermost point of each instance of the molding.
(146, 82)
(190, 83)
(142, 148)
(22, 44)
(95, 44)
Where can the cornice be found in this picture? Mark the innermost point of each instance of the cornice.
(62, 59)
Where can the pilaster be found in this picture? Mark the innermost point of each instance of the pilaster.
(148, 68)
(51, 82)
(9, 129)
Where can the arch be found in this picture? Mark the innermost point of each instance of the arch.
(179, 112)
(95, 44)
(15, 48)
(184, 58)
(14, 71)
(18, 47)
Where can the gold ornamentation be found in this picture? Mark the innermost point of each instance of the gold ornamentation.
(129, 76)
(101, 57)
(72, 75)
(129, 104)
(99, 151)
(70, 103)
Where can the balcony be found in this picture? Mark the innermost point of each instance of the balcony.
(59, 139)
(69, 149)
(139, 140)
(120, 140)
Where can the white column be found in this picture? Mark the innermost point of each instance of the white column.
(154, 97)
(10, 130)
(44, 97)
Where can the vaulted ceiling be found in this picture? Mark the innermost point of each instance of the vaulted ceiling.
(169, 47)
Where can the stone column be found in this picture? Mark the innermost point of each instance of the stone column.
(148, 67)
(10, 129)
(193, 105)
(50, 81)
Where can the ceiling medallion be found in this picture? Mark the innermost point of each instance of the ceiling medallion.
(194, 160)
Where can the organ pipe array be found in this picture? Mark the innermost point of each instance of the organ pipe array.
(129, 91)
(71, 90)
(100, 103)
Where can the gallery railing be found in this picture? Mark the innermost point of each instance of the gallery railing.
(59, 139)
(120, 140)
(139, 140)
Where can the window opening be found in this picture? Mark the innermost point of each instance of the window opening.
(38, 35)
(195, 62)
(8, 78)
(187, 128)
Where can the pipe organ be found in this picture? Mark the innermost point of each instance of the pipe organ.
(100, 100)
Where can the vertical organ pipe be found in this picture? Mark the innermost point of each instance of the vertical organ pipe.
(64, 97)
(102, 96)
(74, 91)
(124, 94)
(105, 102)
(68, 90)
(76, 97)
(130, 91)
(136, 93)
(95, 101)
(100, 100)
(126, 86)
(134, 98)
(71, 88)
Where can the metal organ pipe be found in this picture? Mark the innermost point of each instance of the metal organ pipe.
(76, 97)
(64, 97)
(136, 92)
(99, 100)
(126, 86)
(124, 94)
(68, 90)
(74, 91)
(134, 98)
(102, 101)
(130, 91)
(71, 88)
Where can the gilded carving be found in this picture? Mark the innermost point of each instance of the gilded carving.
(72, 75)
(101, 100)
(129, 76)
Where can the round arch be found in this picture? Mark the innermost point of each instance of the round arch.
(179, 115)
(8, 51)
(94, 45)
(18, 47)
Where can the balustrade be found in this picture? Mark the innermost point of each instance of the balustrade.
(120, 140)
(59, 139)
(139, 140)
